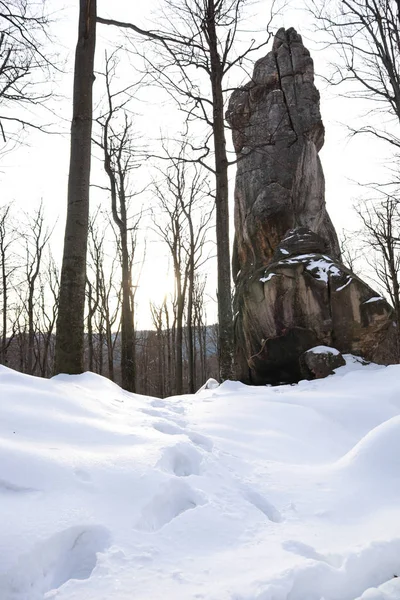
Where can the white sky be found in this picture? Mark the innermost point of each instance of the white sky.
(39, 169)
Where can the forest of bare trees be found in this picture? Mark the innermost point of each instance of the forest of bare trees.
(81, 314)
(29, 306)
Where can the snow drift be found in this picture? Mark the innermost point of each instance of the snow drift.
(235, 493)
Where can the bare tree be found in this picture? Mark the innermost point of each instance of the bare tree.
(381, 232)
(366, 35)
(36, 239)
(349, 251)
(24, 30)
(200, 329)
(70, 322)
(29, 288)
(119, 160)
(201, 36)
(198, 227)
(167, 332)
(8, 266)
(172, 231)
(157, 314)
(110, 307)
(47, 308)
(93, 282)
(182, 192)
(104, 299)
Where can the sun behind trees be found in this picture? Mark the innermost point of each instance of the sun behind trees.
(204, 35)
(183, 194)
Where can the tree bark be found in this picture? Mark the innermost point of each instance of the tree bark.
(189, 325)
(180, 300)
(169, 351)
(92, 307)
(70, 323)
(3, 354)
(128, 374)
(225, 316)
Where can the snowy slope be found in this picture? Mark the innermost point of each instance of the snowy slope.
(235, 493)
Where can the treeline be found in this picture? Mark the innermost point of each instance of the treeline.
(154, 355)
(177, 355)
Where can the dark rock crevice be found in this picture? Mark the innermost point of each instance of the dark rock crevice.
(285, 98)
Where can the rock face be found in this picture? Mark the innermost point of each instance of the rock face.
(277, 134)
(292, 291)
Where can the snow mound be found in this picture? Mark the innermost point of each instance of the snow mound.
(234, 493)
(70, 554)
(378, 452)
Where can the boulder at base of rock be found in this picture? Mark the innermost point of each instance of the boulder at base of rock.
(319, 362)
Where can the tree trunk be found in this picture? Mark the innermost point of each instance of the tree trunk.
(179, 335)
(110, 353)
(31, 331)
(108, 338)
(225, 317)
(190, 338)
(393, 272)
(70, 323)
(127, 327)
(3, 355)
(91, 310)
(168, 384)
(101, 347)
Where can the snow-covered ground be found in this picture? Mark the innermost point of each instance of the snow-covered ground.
(235, 493)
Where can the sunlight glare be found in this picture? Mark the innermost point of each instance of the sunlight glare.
(155, 284)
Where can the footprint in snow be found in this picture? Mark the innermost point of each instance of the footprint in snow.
(309, 552)
(7, 487)
(83, 475)
(263, 505)
(69, 554)
(153, 412)
(163, 414)
(167, 405)
(177, 409)
(168, 428)
(174, 499)
(158, 403)
(196, 438)
(200, 440)
(181, 460)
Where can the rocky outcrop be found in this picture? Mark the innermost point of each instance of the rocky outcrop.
(292, 291)
(277, 132)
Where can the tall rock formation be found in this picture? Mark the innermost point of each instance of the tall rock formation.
(283, 305)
